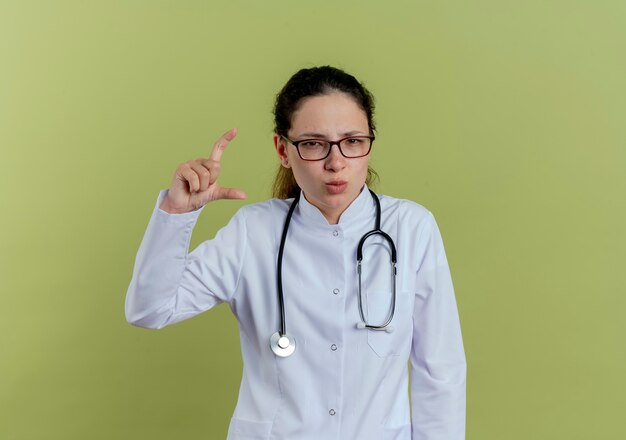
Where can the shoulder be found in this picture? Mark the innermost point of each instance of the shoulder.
(265, 214)
(265, 208)
(413, 220)
(405, 210)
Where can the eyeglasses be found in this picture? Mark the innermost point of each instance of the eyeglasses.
(318, 149)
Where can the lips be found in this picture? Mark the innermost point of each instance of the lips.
(337, 186)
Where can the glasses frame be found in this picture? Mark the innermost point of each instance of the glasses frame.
(297, 143)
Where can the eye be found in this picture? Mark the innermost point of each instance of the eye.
(355, 141)
(311, 143)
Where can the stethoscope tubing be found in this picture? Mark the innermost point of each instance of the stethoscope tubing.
(281, 343)
(359, 258)
(279, 272)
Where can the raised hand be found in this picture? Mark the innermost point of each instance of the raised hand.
(195, 181)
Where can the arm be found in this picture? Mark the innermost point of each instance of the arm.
(170, 285)
(438, 367)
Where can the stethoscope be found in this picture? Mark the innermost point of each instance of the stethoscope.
(282, 343)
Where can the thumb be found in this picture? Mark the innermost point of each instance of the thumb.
(232, 194)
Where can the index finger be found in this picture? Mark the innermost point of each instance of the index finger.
(220, 145)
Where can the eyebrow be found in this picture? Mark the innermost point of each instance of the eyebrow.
(321, 136)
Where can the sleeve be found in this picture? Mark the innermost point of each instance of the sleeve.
(437, 361)
(168, 283)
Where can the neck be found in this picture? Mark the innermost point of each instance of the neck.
(332, 215)
(332, 219)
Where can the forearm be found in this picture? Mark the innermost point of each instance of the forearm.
(159, 267)
(438, 396)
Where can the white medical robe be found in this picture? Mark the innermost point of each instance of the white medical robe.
(342, 382)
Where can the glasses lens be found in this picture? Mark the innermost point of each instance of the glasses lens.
(356, 146)
(313, 149)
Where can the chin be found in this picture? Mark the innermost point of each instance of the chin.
(341, 199)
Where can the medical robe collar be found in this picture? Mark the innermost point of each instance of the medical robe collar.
(362, 206)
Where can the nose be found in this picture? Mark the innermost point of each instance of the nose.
(335, 161)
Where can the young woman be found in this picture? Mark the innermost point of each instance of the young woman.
(329, 312)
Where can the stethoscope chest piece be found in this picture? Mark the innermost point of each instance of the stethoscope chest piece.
(282, 346)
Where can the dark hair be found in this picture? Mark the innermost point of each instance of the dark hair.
(305, 83)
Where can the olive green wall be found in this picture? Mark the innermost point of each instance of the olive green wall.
(504, 118)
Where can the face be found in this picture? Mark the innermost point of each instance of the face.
(333, 183)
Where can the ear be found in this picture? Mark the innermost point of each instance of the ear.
(281, 149)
